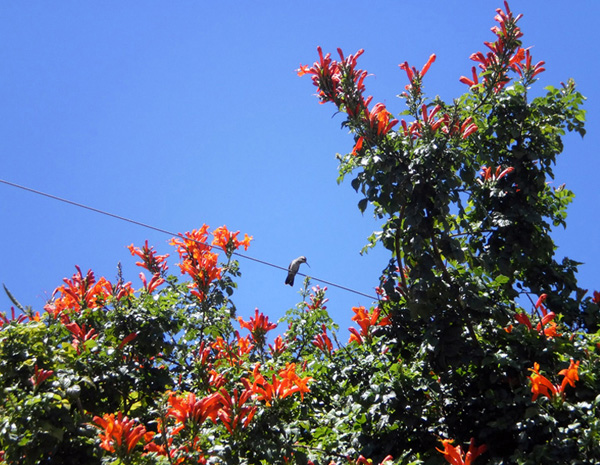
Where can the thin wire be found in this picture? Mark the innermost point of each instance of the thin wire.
(170, 233)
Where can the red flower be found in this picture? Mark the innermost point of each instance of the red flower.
(325, 75)
(150, 260)
(4, 320)
(570, 375)
(524, 319)
(540, 385)
(40, 375)
(379, 121)
(280, 387)
(322, 341)
(413, 74)
(470, 82)
(127, 339)
(80, 335)
(155, 281)
(487, 174)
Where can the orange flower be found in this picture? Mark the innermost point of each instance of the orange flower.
(278, 346)
(79, 292)
(570, 375)
(232, 354)
(197, 260)
(155, 281)
(540, 385)
(366, 320)
(379, 121)
(233, 412)
(279, 388)
(188, 407)
(80, 335)
(119, 432)
(150, 260)
(258, 326)
(456, 456)
(228, 240)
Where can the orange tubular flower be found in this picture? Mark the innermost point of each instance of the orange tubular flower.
(232, 354)
(278, 346)
(524, 319)
(455, 455)
(150, 260)
(570, 375)
(366, 320)
(79, 292)
(378, 120)
(155, 281)
(4, 320)
(540, 385)
(197, 260)
(118, 433)
(279, 388)
(325, 75)
(258, 326)
(228, 240)
(189, 408)
(470, 82)
(415, 76)
(233, 413)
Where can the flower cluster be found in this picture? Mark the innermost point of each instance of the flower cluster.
(343, 84)
(487, 175)
(228, 240)
(119, 434)
(505, 54)
(154, 263)
(197, 260)
(79, 293)
(546, 325)
(279, 387)
(367, 321)
(540, 385)
(455, 455)
(323, 342)
(258, 326)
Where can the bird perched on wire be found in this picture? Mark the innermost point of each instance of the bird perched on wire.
(293, 269)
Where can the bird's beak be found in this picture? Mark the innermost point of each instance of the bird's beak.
(307, 264)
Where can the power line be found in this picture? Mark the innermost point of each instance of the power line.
(170, 233)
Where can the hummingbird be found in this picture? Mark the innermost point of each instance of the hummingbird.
(293, 269)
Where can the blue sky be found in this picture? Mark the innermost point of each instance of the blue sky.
(183, 113)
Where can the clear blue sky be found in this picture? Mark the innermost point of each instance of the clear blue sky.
(183, 113)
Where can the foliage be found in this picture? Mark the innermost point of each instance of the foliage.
(480, 347)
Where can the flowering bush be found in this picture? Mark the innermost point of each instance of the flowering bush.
(445, 368)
